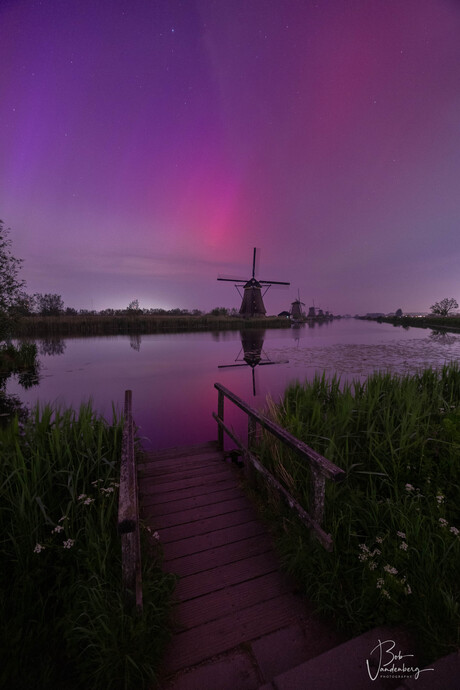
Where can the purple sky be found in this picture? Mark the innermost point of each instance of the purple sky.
(147, 146)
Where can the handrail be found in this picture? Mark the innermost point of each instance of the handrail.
(321, 468)
(128, 514)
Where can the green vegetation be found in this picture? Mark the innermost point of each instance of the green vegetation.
(395, 519)
(127, 323)
(438, 323)
(62, 620)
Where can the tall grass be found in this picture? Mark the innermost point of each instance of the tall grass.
(395, 519)
(62, 620)
(101, 324)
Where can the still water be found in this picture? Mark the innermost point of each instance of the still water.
(172, 376)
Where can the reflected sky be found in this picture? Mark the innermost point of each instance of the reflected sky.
(172, 376)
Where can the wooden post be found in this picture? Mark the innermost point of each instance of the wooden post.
(220, 414)
(318, 495)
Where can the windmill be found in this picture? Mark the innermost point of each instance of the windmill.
(252, 303)
(252, 342)
(297, 313)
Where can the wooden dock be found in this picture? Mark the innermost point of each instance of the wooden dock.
(230, 593)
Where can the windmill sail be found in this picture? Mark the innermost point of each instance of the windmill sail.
(252, 303)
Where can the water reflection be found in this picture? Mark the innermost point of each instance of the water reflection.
(253, 355)
(443, 337)
(51, 346)
(135, 341)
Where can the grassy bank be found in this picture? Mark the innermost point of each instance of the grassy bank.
(395, 519)
(97, 324)
(441, 323)
(62, 621)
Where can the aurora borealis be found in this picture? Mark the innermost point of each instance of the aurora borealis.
(147, 146)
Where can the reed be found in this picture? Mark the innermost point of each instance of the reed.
(62, 617)
(395, 519)
(125, 324)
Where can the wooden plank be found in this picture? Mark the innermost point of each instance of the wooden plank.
(181, 451)
(220, 555)
(182, 473)
(208, 607)
(147, 490)
(210, 540)
(225, 576)
(208, 498)
(177, 532)
(176, 485)
(193, 515)
(201, 460)
(193, 646)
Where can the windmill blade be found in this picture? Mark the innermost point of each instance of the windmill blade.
(254, 382)
(254, 263)
(274, 282)
(234, 279)
(278, 361)
(228, 366)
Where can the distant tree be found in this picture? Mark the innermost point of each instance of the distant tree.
(444, 307)
(398, 313)
(11, 286)
(70, 311)
(49, 304)
(134, 305)
(197, 312)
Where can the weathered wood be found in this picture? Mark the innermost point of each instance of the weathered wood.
(200, 643)
(309, 521)
(178, 532)
(219, 556)
(200, 500)
(320, 463)
(201, 543)
(220, 414)
(127, 517)
(318, 496)
(128, 514)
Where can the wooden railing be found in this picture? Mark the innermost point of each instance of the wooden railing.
(321, 468)
(128, 514)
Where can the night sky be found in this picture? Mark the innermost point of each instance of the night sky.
(147, 146)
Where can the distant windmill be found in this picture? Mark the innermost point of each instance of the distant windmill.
(297, 313)
(252, 303)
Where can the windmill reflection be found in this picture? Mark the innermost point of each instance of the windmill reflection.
(252, 353)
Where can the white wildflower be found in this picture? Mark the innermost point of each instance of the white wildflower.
(385, 593)
(404, 546)
(68, 543)
(38, 548)
(443, 522)
(380, 582)
(57, 529)
(379, 540)
(81, 497)
(407, 590)
(156, 536)
(440, 498)
(409, 487)
(402, 535)
(372, 565)
(454, 531)
(88, 501)
(390, 569)
(64, 517)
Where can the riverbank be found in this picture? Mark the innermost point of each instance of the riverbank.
(437, 323)
(139, 324)
(63, 621)
(395, 519)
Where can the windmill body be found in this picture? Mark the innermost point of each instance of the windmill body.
(297, 312)
(252, 304)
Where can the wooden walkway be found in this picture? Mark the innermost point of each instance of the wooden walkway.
(230, 590)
